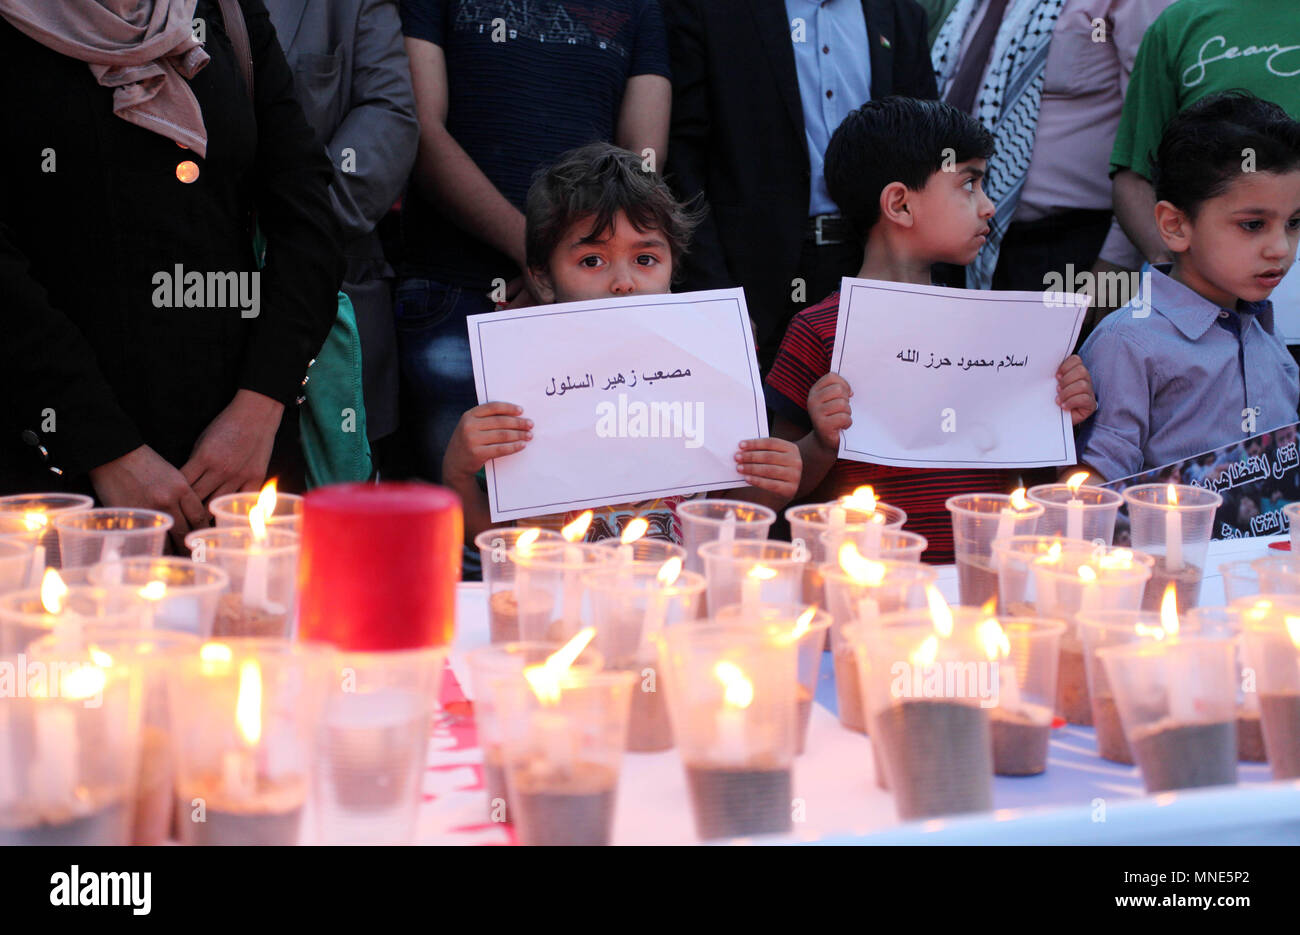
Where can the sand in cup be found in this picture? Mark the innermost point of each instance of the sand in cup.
(1271, 636)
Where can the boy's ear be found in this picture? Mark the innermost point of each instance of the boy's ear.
(893, 204)
(539, 283)
(1173, 225)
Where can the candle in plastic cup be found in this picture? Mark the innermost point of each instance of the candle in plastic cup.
(1177, 702)
(26, 616)
(820, 527)
(247, 714)
(15, 564)
(1292, 513)
(649, 551)
(1029, 651)
(232, 510)
(1226, 623)
(753, 572)
(71, 747)
(494, 546)
(1172, 522)
(150, 653)
(1278, 574)
(1240, 579)
(731, 693)
(977, 520)
(108, 534)
(807, 627)
(1042, 576)
(263, 591)
(894, 545)
(30, 508)
(630, 605)
(374, 741)
(708, 520)
(182, 594)
(491, 667)
(550, 594)
(858, 592)
(1271, 635)
(562, 746)
(1087, 514)
(929, 699)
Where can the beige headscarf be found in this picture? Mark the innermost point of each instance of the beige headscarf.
(140, 48)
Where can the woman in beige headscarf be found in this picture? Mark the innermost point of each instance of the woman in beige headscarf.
(146, 358)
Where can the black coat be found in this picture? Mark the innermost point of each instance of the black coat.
(90, 367)
(738, 136)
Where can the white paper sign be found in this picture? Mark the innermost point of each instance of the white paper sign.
(631, 398)
(954, 378)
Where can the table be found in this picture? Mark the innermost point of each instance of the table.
(1079, 798)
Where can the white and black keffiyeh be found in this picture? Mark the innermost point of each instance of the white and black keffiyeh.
(1007, 107)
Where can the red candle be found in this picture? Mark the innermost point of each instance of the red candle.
(379, 566)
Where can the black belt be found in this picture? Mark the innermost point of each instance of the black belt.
(827, 229)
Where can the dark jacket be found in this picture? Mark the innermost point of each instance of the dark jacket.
(738, 136)
(92, 211)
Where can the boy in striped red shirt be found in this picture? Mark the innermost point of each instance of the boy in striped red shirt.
(906, 174)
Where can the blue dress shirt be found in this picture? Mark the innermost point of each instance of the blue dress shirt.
(1175, 382)
(833, 62)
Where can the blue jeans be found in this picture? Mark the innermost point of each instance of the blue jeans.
(437, 371)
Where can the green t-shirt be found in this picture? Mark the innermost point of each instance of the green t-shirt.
(1196, 48)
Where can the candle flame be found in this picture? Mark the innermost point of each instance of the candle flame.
(85, 681)
(1018, 499)
(1172, 494)
(54, 592)
(1076, 481)
(802, 625)
(762, 573)
(634, 530)
(576, 530)
(154, 591)
(738, 691)
(1053, 555)
(266, 499)
(926, 653)
(248, 707)
(545, 679)
(1087, 574)
(1293, 629)
(861, 569)
(862, 499)
(1259, 610)
(994, 639)
(215, 652)
(1121, 559)
(101, 658)
(989, 607)
(940, 612)
(1142, 629)
(669, 571)
(524, 544)
(257, 520)
(1169, 610)
(34, 521)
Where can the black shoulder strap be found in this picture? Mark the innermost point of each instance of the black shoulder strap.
(238, 33)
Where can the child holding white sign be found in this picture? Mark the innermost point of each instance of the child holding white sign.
(906, 174)
(599, 225)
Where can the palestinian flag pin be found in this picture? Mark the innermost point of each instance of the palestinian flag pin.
(885, 42)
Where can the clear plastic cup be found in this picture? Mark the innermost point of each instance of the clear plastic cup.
(563, 755)
(1022, 721)
(1240, 579)
(150, 653)
(1063, 579)
(247, 714)
(894, 545)
(491, 667)
(108, 533)
(1226, 623)
(810, 637)
(72, 748)
(24, 619)
(813, 527)
(40, 507)
(261, 600)
(374, 742)
(731, 694)
(977, 520)
(1278, 574)
(651, 551)
(186, 600)
(707, 520)
(550, 593)
(15, 564)
(1097, 510)
(1271, 638)
(494, 546)
(753, 572)
(629, 605)
(1161, 513)
(857, 598)
(1292, 513)
(232, 509)
(929, 701)
(1177, 702)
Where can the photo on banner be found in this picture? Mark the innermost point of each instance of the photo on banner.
(955, 378)
(631, 398)
(1256, 477)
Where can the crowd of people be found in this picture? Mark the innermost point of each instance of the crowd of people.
(225, 226)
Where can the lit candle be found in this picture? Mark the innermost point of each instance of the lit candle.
(1173, 534)
(1045, 584)
(254, 592)
(865, 573)
(1088, 588)
(238, 767)
(34, 521)
(1007, 518)
(548, 728)
(728, 531)
(729, 722)
(633, 531)
(110, 556)
(836, 518)
(657, 604)
(571, 612)
(1074, 508)
(751, 594)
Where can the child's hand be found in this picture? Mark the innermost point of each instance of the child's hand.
(489, 431)
(828, 407)
(1074, 389)
(771, 464)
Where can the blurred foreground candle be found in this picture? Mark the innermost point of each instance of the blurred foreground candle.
(108, 534)
(37, 510)
(182, 594)
(1272, 650)
(379, 566)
